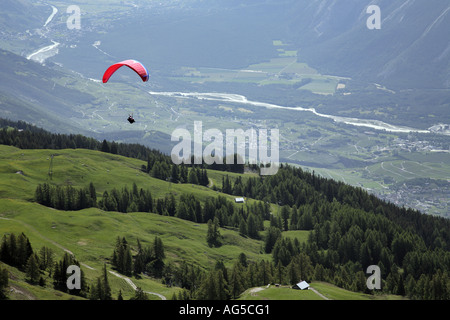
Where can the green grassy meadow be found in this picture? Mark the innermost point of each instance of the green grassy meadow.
(329, 291)
(279, 293)
(90, 234)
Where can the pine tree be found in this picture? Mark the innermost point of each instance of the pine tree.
(39, 195)
(285, 213)
(139, 260)
(208, 288)
(192, 178)
(46, 258)
(252, 230)
(92, 195)
(156, 265)
(24, 251)
(32, 269)
(12, 248)
(292, 273)
(139, 295)
(105, 147)
(216, 232)
(280, 273)
(113, 147)
(175, 175)
(271, 238)
(213, 233)
(242, 259)
(4, 250)
(210, 239)
(128, 263)
(96, 291)
(106, 287)
(243, 227)
(183, 174)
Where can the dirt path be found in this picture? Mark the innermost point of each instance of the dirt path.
(318, 293)
(131, 283)
(254, 291)
(19, 291)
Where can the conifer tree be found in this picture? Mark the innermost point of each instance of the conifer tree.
(106, 287)
(105, 147)
(32, 269)
(46, 258)
(139, 295)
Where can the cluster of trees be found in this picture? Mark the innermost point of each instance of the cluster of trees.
(125, 200)
(60, 276)
(168, 171)
(292, 186)
(223, 283)
(16, 251)
(149, 260)
(344, 241)
(26, 136)
(101, 290)
(351, 230)
(213, 235)
(292, 263)
(66, 197)
(247, 219)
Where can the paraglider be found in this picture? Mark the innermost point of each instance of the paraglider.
(134, 65)
(131, 119)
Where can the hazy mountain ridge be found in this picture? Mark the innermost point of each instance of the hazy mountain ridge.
(410, 50)
(20, 15)
(34, 93)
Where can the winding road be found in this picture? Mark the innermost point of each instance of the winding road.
(131, 283)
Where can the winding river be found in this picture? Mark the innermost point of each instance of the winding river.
(44, 53)
(235, 98)
(50, 18)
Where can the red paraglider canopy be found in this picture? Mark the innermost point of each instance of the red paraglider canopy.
(134, 65)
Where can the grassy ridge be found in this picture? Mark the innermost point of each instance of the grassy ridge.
(90, 234)
(78, 168)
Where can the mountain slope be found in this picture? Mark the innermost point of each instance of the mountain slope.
(20, 15)
(31, 92)
(410, 51)
(90, 234)
(333, 227)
